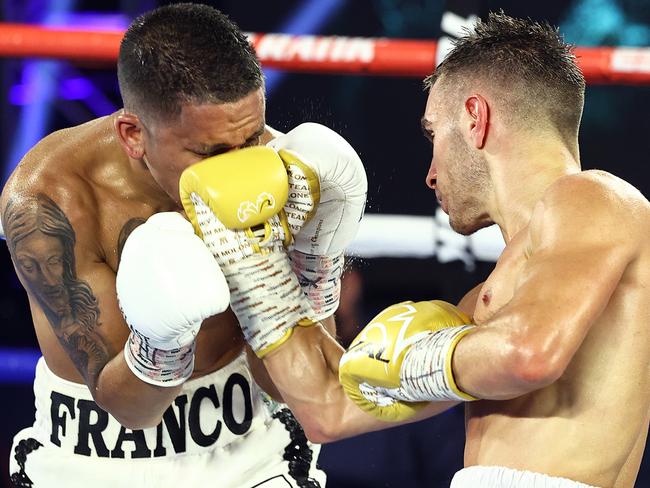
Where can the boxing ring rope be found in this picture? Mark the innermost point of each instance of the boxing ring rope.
(315, 54)
(430, 236)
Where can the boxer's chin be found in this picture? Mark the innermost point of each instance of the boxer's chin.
(458, 226)
(467, 228)
(461, 224)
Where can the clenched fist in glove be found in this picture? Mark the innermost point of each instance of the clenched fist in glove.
(326, 201)
(402, 359)
(235, 202)
(167, 284)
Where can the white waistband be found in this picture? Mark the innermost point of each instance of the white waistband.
(210, 412)
(500, 477)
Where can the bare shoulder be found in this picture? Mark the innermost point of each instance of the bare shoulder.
(50, 178)
(591, 210)
(595, 199)
(602, 190)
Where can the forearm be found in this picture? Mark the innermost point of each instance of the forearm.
(489, 365)
(305, 371)
(355, 421)
(134, 403)
(482, 364)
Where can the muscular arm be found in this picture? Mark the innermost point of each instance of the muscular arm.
(305, 371)
(115, 388)
(72, 292)
(579, 249)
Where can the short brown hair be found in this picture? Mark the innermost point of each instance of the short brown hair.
(525, 61)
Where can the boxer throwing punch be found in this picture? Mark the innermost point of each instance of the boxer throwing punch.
(555, 363)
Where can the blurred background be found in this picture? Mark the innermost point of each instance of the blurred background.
(380, 116)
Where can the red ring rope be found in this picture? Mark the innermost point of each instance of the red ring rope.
(316, 54)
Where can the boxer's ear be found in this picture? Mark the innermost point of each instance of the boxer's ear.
(130, 130)
(478, 112)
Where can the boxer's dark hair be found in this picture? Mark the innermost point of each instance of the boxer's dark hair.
(184, 53)
(527, 61)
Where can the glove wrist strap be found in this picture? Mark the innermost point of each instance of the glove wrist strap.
(267, 299)
(159, 367)
(320, 280)
(426, 373)
(264, 292)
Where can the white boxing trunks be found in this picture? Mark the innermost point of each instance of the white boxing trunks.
(221, 431)
(500, 477)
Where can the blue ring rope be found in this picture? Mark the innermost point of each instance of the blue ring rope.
(17, 365)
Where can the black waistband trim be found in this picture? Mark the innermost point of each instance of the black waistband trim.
(297, 453)
(24, 447)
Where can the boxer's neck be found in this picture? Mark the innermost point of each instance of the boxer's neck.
(521, 173)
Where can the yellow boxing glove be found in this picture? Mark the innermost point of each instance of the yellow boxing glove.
(243, 189)
(235, 203)
(402, 359)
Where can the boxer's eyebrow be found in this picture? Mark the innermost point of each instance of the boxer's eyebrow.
(211, 150)
(259, 133)
(214, 149)
(424, 124)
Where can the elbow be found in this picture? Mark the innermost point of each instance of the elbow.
(535, 367)
(320, 429)
(125, 415)
(321, 434)
(137, 423)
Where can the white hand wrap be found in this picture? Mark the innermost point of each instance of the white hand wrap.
(320, 280)
(161, 367)
(267, 299)
(265, 293)
(167, 284)
(327, 196)
(426, 373)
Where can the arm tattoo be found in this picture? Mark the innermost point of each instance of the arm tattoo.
(129, 227)
(41, 242)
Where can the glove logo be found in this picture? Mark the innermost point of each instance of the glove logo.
(247, 209)
(374, 341)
